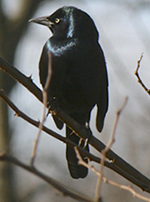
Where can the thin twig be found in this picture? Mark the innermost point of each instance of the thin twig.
(52, 133)
(119, 165)
(107, 148)
(132, 175)
(109, 164)
(33, 155)
(137, 74)
(105, 180)
(62, 188)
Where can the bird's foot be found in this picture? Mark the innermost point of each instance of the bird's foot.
(72, 132)
(83, 143)
(86, 143)
(53, 106)
(80, 142)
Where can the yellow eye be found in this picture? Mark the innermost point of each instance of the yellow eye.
(57, 20)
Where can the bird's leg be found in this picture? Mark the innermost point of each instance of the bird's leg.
(86, 124)
(80, 142)
(72, 132)
(85, 142)
(52, 106)
(87, 139)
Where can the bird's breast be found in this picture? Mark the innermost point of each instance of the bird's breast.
(60, 48)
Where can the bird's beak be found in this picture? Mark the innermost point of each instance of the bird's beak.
(42, 21)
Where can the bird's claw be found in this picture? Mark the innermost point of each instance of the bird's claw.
(52, 107)
(85, 143)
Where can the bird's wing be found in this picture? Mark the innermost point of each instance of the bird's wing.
(58, 122)
(43, 66)
(102, 107)
(43, 72)
(102, 102)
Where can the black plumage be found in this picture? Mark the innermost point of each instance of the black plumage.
(79, 76)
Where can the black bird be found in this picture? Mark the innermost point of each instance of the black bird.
(79, 76)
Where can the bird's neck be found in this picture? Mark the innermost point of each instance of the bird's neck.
(59, 47)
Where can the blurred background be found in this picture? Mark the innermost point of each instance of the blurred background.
(124, 28)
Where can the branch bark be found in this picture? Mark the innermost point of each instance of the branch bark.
(65, 190)
(130, 172)
(90, 156)
(138, 76)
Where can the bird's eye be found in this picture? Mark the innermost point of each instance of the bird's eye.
(57, 20)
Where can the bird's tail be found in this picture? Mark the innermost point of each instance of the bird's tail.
(76, 171)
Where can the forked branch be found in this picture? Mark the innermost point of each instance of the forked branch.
(138, 76)
(119, 164)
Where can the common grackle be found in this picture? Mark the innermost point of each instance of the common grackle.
(79, 75)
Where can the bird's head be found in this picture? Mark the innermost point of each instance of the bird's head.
(69, 22)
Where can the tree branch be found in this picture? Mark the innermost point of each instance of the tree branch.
(45, 100)
(64, 189)
(105, 180)
(138, 77)
(107, 148)
(21, 78)
(91, 157)
(131, 173)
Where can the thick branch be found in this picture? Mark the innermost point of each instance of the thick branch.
(99, 146)
(81, 130)
(91, 157)
(21, 78)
